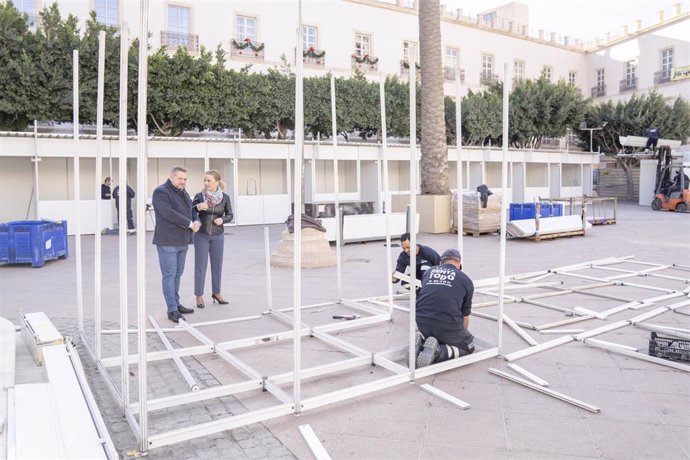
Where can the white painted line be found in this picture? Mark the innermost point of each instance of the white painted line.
(314, 444)
(443, 395)
(529, 375)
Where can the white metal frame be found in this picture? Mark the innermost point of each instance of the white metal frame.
(373, 310)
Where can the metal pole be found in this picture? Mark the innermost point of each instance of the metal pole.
(387, 192)
(504, 209)
(122, 238)
(99, 205)
(36, 160)
(413, 207)
(141, 216)
(77, 194)
(336, 183)
(458, 162)
(297, 219)
(267, 251)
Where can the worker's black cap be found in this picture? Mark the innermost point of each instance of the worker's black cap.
(452, 254)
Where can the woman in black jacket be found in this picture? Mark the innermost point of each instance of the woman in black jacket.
(213, 209)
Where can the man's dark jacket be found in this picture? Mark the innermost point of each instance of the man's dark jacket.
(173, 211)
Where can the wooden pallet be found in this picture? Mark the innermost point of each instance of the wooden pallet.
(474, 233)
(549, 236)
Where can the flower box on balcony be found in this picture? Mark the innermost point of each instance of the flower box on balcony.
(247, 49)
(365, 63)
(312, 56)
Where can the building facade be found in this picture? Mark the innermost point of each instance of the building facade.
(376, 39)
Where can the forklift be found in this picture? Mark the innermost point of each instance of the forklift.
(671, 187)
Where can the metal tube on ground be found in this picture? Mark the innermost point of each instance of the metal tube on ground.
(538, 348)
(386, 188)
(504, 209)
(525, 373)
(546, 391)
(633, 354)
(518, 330)
(191, 383)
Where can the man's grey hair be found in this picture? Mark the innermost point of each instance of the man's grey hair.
(177, 169)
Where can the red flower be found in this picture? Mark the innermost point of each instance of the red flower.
(311, 49)
(247, 40)
(366, 56)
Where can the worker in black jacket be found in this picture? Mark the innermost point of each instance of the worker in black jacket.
(443, 312)
(426, 258)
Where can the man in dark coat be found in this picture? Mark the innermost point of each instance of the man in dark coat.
(175, 223)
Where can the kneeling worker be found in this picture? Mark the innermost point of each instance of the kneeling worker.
(426, 258)
(444, 305)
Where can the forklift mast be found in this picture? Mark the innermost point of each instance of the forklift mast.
(663, 169)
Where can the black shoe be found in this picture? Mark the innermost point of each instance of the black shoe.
(219, 300)
(429, 354)
(418, 345)
(200, 305)
(175, 316)
(185, 310)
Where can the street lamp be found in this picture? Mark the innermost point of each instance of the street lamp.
(583, 127)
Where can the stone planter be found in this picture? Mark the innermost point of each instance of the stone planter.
(316, 251)
(434, 211)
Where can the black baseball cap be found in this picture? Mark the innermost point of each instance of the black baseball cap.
(452, 254)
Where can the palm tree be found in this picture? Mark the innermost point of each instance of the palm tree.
(434, 164)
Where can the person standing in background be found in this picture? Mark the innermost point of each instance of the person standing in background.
(105, 189)
(130, 215)
(214, 209)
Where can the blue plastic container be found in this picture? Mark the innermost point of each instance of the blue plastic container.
(521, 211)
(32, 242)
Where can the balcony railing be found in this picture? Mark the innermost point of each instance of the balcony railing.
(663, 76)
(405, 67)
(449, 73)
(629, 84)
(487, 78)
(247, 49)
(599, 91)
(366, 63)
(175, 40)
(314, 57)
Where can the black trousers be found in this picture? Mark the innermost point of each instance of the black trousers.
(651, 143)
(130, 216)
(453, 335)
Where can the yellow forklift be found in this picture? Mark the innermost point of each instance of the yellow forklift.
(671, 189)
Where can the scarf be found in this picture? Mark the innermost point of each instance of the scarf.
(212, 198)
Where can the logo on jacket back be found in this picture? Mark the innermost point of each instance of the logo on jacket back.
(441, 276)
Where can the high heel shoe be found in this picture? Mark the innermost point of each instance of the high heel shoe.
(219, 300)
(200, 305)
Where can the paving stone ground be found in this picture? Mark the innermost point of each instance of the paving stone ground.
(249, 442)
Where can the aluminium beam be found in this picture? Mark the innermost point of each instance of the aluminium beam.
(494, 318)
(445, 396)
(663, 330)
(546, 391)
(561, 331)
(538, 348)
(114, 361)
(648, 315)
(519, 331)
(525, 373)
(564, 322)
(554, 307)
(455, 363)
(602, 330)
(191, 383)
(313, 442)
(633, 354)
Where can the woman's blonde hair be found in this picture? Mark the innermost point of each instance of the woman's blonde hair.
(216, 175)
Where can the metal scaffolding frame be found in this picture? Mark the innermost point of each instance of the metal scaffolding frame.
(372, 310)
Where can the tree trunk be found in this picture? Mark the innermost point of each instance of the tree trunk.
(627, 167)
(434, 163)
